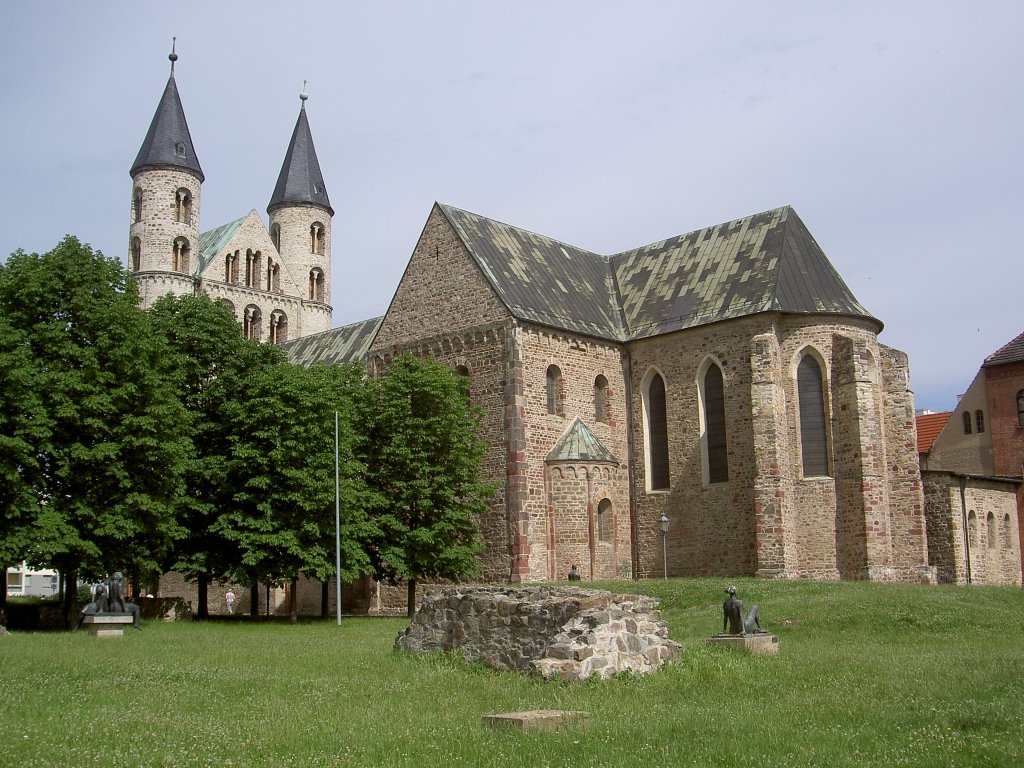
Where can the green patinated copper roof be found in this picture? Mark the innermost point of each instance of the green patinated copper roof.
(768, 262)
(212, 241)
(580, 444)
(339, 345)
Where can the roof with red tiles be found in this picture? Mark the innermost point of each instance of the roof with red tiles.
(928, 427)
(1012, 352)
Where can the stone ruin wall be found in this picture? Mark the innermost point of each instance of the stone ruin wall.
(562, 633)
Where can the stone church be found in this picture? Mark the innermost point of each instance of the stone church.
(717, 403)
(724, 383)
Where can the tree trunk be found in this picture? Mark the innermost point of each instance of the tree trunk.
(294, 617)
(254, 600)
(411, 606)
(324, 599)
(70, 593)
(202, 598)
(3, 598)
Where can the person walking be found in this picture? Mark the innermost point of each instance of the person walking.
(229, 598)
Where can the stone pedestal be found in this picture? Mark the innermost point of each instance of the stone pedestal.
(537, 720)
(107, 626)
(755, 645)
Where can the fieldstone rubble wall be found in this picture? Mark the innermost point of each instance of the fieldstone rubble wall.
(563, 633)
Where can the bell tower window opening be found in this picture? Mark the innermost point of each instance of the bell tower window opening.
(136, 254)
(316, 284)
(252, 321)
(137, 206)
(180, 255)
(273, 276)
(275, 236)
(253, 267)
(231, 268)
(183, 207)
(316, 238)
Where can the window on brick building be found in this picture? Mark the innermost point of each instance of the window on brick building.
(601, 399)
(463, 374)
(231, 268)
(967, 422)
(813, 424)
(1020, 408)
(136, 254)
(253, 267)
(990, 530)
(1007, 533)
(715, 453)
(273, 276)
(656, 417)
(605, 528)
(137, 206)
(252, 322)
(554, 390)
(979, 421)
(180, 255)
(972, 528)
(278, 327)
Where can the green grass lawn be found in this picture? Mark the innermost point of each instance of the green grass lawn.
(867, 675)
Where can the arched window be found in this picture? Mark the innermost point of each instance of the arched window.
(136, 254)
(979, 421)
(316, 238)
(657, 434)
(716, 455)
(179, 149)
(137, 205)
(227, 304)
(273, 276)
(1020, 408)
(183, 206)
(972, 528)
(990, 530)
(180, 255)
(278, 327)
(253, 267)
(231, 268)
(252, 322)
(554, 390)
(463, 374)
(275, 236)
(605, 526)
(813, 426)
(316, 284)
(1007, 533)
(967, 422)
(601, 399)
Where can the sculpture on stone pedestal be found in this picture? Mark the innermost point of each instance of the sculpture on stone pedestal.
(733, 620)
(108, 599)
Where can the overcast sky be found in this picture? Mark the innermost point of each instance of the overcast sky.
(893, 128)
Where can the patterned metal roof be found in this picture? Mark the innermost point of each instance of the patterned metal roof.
(339, 345)
(1011, 352)
(168, 141)
(300, 180)
(768, 262)
(211, 241)
(580, 444)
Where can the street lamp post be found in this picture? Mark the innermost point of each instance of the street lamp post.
(663, 523)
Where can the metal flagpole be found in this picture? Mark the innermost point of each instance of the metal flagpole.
(337, 521)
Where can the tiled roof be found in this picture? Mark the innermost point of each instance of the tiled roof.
(300, 180)
(167, 131)
(339, 345)
(928, 427)
(1011, 352)
(580, 444)
(768, 262)
(211, 241)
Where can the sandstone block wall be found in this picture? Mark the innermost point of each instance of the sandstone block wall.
(568, 634)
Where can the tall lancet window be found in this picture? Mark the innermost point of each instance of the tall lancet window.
(316, 284)
(252, 322)
(183, 206)
(316, 238)
(180, 255)
(713, 397)
(656, 416)
(813, 424)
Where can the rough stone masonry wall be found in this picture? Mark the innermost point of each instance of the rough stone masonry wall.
(559, 633)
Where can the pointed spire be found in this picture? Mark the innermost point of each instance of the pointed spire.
(300, 180)
(168, 141)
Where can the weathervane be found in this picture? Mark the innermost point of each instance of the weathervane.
(173, 57)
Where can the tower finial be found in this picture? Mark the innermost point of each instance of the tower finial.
(173, 57)
(303, 96)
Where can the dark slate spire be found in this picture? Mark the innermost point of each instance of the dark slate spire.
(168, 141)
(300, 180)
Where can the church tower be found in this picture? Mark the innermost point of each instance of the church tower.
(300, 225)
(166, 177)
